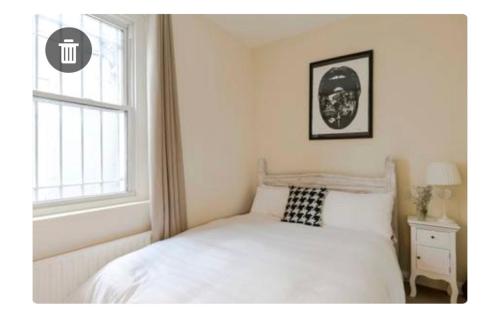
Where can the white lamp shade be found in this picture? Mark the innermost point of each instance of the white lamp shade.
(443, 174)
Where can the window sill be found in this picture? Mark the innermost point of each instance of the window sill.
(84, 204)
(79, 200)
(53, 215)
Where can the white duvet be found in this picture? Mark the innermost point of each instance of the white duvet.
(253, 259)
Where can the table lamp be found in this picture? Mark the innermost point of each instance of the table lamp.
(443, 175)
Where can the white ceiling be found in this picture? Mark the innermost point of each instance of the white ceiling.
(258, 29)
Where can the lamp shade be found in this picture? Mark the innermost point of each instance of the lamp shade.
(443, 174)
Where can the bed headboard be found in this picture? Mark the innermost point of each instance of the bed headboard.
(357, 184)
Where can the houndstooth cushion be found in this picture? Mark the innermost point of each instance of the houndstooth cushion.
(304, 205)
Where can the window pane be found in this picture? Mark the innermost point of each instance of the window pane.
(91, 190)
(109, 188)
(91, 146)
(49, 194)
(110, 74)
(48, 24)
(92, 78)
(91, 72)
(71, 145)
(122, 186)
(62, 129)
(48, 78)
(72, 84)
(111, 64)
(111, 146)
(71, 191)
(72, 20)
(48, 144)
(110, 34)
(123, 145)
(91, 28)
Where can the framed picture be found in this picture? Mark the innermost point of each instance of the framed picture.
(340, 97)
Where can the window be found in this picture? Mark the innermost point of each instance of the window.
(81, 120)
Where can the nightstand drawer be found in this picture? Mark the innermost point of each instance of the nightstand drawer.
(433, 260)
(433, 238)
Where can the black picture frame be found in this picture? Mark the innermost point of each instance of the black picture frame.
(337, 133)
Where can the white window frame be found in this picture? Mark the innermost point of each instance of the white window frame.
(131, 105)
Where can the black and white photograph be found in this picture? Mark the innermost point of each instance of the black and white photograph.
(340, 97)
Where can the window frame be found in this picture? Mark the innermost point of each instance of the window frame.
(128, 107)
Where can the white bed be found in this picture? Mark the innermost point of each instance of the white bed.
(255, 258)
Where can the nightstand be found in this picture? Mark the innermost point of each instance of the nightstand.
(433, 252)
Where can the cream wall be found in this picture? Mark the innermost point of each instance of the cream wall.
(420, 105)
(59, 234)
(217, 114)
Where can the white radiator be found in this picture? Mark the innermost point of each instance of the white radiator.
(54, 278)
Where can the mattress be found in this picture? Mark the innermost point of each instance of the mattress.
(253, 259)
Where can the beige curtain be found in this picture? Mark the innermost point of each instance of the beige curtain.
(167, 193)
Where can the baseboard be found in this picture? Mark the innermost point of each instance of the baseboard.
(435, 284)
(56, 277)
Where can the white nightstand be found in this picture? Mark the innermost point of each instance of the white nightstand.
(433, 252)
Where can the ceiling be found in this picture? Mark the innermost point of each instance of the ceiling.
(259, 29)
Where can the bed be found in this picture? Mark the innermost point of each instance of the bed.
(256, 258)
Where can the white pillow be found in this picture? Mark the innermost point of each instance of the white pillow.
(365, 212)
(270, 200)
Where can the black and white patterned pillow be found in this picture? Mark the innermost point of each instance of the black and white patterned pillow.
(304, 205)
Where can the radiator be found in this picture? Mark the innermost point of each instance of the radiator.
(56, 277)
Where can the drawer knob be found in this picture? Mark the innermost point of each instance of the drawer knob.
(432, 237)
(418, 257)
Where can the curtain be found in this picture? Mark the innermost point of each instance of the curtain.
(167, 192)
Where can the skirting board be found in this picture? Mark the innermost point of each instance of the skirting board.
(56, 277)
(436, 284)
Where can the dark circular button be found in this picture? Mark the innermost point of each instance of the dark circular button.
(68, 50)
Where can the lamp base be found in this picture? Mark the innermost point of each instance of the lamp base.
(444, 219)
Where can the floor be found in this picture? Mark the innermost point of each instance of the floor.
(426, 295)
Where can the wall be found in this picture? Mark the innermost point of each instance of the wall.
(215, 91)
(59, 234)
(420, 105)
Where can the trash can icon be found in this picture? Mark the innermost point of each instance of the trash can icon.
(68, 51)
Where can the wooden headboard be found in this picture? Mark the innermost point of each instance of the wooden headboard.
(356, 184)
